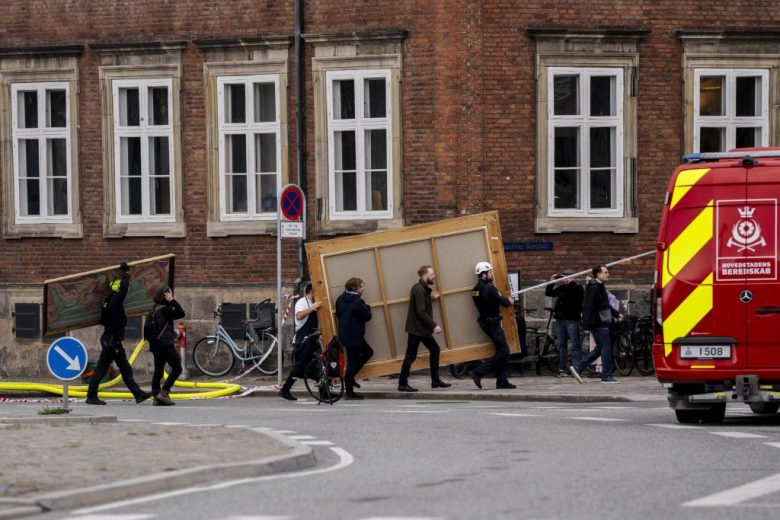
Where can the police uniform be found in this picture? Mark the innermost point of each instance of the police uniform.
(489, 301)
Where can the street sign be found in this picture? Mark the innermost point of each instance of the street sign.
(66, 358)
(291, 202)
(291, 229)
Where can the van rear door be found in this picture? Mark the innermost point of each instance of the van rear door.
(701, 308)
(755, 230)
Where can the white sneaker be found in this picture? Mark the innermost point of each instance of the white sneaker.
(576, 374)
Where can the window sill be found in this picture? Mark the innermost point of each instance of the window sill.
(242, 227)
(43, 230)
(586, 224)
(340, 227)
(166, 229)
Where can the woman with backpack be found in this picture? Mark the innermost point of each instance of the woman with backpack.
(159, 331)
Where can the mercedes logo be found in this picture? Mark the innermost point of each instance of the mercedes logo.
(746, 296)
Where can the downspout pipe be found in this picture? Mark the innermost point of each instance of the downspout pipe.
(300, 173)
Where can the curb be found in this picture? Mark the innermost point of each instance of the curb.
(90, 419)
(300, 457)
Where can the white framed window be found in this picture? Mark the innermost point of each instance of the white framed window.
(585, 141)
(250, 153)
(143, 150)
(41, 136)
(731, 109)
(360, 140)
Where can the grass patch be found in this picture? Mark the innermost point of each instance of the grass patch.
(151, 434)
(73, 445)
(53, 410)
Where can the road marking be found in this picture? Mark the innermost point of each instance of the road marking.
(676, 426)
(613, 407)
(262, 517)
(739, 435)
(416, 411)
(739, 494)
(301, 437)
(501, 414)
(403, 518)
(484, 406)
(345, 459)
(285, 432)
(169, 423)
(236, 426)
(317, 443)
(110, 517)
(602, 419)
(773, 444)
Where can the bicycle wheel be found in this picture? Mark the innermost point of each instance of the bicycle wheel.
(622, 355)
(320, 385)
(262, 353)
(550, 355)
(643, 352)
(213, 357)
(459, 370)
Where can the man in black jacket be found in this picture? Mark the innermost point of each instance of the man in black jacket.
(165, 310)
(353, 313)
(568, 312)
(488, 301)
(420, 327)
(114, 320)
(597, 315)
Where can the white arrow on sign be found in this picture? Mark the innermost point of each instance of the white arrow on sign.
(73, 363)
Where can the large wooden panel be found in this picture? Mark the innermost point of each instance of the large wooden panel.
(74, 301)
(388, 261)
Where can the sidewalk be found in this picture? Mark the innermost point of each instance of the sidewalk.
(82, 460)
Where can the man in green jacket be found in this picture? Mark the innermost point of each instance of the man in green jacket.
(420, 327)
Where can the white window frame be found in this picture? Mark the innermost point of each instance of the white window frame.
(359, 125)
(585, 123)
(42, 133)
(249, 128)
(729, 120)
(144, 131)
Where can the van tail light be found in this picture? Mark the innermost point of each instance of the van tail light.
(659, 318)
(658, 315)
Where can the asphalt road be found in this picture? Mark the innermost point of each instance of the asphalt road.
(472, 460)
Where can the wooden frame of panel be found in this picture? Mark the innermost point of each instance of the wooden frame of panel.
(388, 261)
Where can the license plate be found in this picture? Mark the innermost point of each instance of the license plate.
(705, 352)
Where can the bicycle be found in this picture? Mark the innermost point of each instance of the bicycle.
(642, 341)
(322, 375)
(545, 346)
(215, 355)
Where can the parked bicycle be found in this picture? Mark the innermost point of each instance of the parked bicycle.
(215, 355)
(322, 375)
(545, 346)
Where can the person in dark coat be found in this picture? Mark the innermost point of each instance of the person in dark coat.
(421, 327)
(567, 313)
(164, 312)
(353, 313)
(114, 320)
(597, 316)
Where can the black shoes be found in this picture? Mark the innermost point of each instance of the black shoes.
(287, 395)
(94, 400)
(440, 384)
(143, 396)
(355, 384)
(506, 385)
(477, 380)
(406, 388)
(352, 396)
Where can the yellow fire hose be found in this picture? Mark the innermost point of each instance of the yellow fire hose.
(220, 389)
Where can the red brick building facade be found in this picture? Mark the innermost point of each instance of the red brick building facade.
(132, 129)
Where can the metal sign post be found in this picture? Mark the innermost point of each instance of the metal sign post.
(292, 205)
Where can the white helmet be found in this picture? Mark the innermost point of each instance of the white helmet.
(482, 267)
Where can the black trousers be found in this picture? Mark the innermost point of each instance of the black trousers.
(111, 350)
(303, 354)
(165, 354)
(412, 344)
(500, 361)
(357, 356)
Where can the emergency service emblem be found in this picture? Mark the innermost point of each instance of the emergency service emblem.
(747, 239)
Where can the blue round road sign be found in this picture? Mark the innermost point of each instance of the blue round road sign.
(66, 358)
(291, 202)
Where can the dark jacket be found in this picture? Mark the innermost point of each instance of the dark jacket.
(596, 301)
(419, 318)
(114, 317)
(352, 313)
(167, 312)
(568, 305)
(488, 299)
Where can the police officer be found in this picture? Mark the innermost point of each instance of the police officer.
(114, 320)
(305, 324)
(488, 300)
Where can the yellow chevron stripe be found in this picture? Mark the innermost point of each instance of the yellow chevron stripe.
(688, 243)
(688, 314)
(686, 179)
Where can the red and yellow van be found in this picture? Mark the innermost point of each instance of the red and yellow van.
(717, 288)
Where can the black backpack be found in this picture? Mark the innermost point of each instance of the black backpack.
(152, 330)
